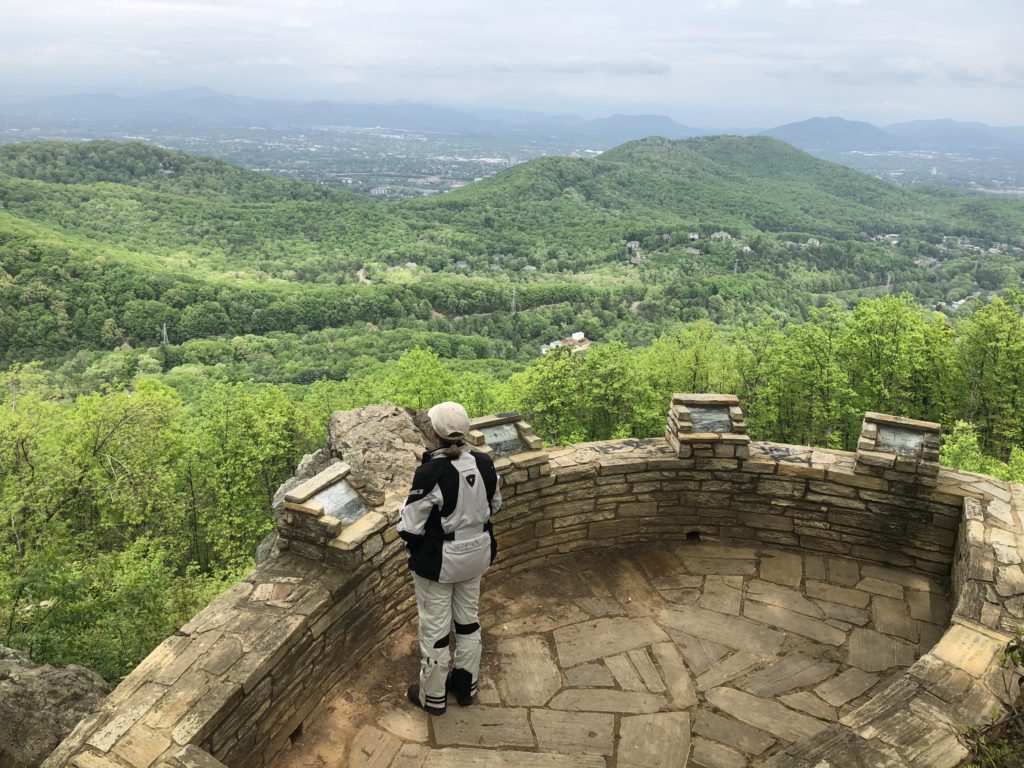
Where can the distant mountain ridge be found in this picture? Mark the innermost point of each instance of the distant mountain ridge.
(836, 134)
(204, 105)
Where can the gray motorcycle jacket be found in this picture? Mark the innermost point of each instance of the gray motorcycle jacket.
(445, 522)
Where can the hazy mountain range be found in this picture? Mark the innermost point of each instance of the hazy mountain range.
(824, 134)
(205, 106)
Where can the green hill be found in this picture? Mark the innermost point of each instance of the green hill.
(144, 166)
(102, 242)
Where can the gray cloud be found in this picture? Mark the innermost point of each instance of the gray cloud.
(579, 65)
(700, 61)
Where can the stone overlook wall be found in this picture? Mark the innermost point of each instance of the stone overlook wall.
(235, 684)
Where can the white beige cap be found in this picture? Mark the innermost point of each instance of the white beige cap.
(449, 420)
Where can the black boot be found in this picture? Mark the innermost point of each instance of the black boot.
(414, 697)
(460, 682)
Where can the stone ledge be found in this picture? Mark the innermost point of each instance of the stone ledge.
(303, 491)
(902, 421)
(352, 536)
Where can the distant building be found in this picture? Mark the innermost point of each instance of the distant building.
(461, 264)
(576, 342)
(378, 191)
(721, 235)
(694, 251)
(666, 237)
(636, 260)
(632, 245)
(694, 236)
(813, 241)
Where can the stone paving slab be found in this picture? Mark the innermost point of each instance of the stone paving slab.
(588, 733)
(784, 568)
(729, 631)
(589, 675)
(872, 651)
(846, 686)
(484, 758)
(846, 613)
(844, 572)
(527, 674)
(789, 672)
(625, 674)
(797, 623)
(700, 654)
(411, 756)
(484, 727)
(676, 677)
(737, 735)
(591, 640)
(406, 723)
(807, 702)
(723, 594)
(597, 700)
(373, 748)
(714, 566)
(688, 550)
(765, 714)
(880, 587)
(645, 668)
(628, 584)
(654, 741)
(737, 665)
(815, 568)
(682, 581)
(711, 754)
(908, 579)
(599, 606)
(890, 616)
(835, 594)
(782, 597)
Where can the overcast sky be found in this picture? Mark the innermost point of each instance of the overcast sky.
(743, 63)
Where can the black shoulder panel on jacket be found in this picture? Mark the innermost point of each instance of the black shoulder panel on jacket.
(486, 466)
(428, 474)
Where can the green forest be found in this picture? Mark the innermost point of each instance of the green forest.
(175, 331)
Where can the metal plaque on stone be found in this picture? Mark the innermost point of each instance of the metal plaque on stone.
(341, 501)
(709, 418)
(504, 439)
(902, 442)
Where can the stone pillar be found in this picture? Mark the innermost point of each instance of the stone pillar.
(327, 517)
(898, 449)
(708, 430)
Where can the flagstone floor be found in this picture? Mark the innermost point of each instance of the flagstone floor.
(661, 655)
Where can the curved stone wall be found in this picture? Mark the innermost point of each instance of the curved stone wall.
(236, 683)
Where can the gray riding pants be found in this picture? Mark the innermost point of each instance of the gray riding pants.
(443, 608)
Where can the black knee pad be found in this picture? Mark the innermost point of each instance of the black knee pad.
(443, 642)
(466, 629)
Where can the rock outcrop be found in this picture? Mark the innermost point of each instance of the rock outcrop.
(40, 705)
(382, 444)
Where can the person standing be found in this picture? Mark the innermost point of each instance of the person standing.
(446, 527)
